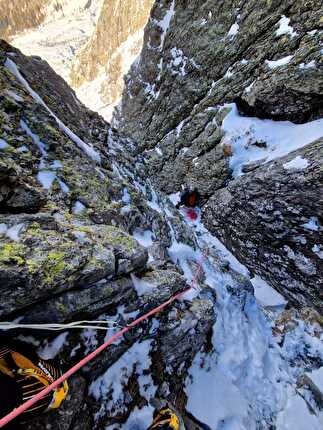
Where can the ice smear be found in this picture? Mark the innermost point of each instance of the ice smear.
(297, 416)
(87, 149)
(281, 137)
(53, 348)
(279, 63)
(297, 163)
(46, 178)
(145, 238)
(142, 287)
(78, 208)
(233, 30)
(109, 388)
(313, 224)
(3, 144)
(265, 294)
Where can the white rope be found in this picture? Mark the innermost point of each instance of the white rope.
(96, 325)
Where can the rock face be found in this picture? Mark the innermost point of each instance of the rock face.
(66, 25)
(266, 58)
(242, 52)
(19, 15)
(271, 220)
(71, 208)
(91, 44)
(108, 55)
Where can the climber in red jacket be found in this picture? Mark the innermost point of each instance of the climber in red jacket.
(190, 198)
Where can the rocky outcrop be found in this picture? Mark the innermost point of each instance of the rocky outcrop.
(20, 15)
(271, 220)
(71, 208)
(65, 27)
(91, 44)
(266, 58)
(108, 55)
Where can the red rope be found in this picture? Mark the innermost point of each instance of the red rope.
(16, 412)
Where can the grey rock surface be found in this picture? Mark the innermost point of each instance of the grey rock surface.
(262, 217)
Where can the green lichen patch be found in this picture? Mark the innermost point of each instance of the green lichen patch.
(12, 253)
(118, 238)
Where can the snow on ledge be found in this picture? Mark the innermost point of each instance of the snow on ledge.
(279, 63)
(285, 28)
(265, 294)
(279, 138)
(297, 163)
(87, 149)
(233, 30)
(165, 23)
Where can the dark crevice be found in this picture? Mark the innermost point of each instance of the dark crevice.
(263, 111)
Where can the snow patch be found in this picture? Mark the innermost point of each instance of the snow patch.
(310, 65)
(46, 178)
(3, 144)
(318, 249)
(297, 416)
(11, 232)
(317, 378)
(78, 208)
(233, 30)
(178, 62)
(313, 224)
(265, 294)
(165, 23)
(145, 238)
(285, 28)
(109, 388)
(50, 351)
(86, 148)
(41, 146)
(126, 197)
(297, 163)
(142, 287)
(175, 198)
(281, 137)
(279, 63)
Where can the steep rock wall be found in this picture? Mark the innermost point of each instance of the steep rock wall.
(265, 60)
(114, 45)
